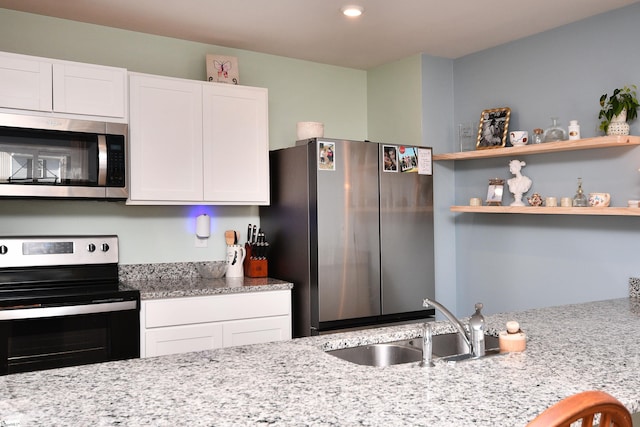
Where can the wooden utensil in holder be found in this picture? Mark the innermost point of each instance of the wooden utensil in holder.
(254, 267)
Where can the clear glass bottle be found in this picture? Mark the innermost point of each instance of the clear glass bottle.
(580, 200)
(538, 136)
(555, 132)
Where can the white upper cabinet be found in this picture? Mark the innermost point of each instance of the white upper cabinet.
(25, 83)
(236, 154)
(89, 89)
(69, 88)
(165, 139)
(195, 142)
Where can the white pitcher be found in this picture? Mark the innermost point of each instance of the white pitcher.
(235, 259)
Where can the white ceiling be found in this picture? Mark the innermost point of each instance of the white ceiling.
(315, 30)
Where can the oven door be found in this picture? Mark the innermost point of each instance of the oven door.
(33, 339)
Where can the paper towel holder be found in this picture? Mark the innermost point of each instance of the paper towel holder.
(203, 229)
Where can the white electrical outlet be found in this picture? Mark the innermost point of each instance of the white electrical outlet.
(201, 243)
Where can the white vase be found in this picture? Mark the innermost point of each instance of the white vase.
(618, 128)
(622, 117)
(619, 125)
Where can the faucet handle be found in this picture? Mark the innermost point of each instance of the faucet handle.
(477, 319)
(477, 328)
(427, 346)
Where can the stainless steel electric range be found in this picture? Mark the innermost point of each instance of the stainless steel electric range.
(61, 303)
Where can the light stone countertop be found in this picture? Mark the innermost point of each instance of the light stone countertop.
(173, 280)
(294, 383)
(195, 286)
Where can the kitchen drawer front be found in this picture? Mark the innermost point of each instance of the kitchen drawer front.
(192, 310)
(254, 331)
(182, 339)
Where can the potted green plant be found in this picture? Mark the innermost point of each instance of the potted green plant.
(621, 107)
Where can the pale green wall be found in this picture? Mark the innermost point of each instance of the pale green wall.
(298, 91)
(394, 104)
(410, 101)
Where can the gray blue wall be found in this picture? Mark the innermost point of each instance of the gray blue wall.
(520, 261)
(438, 126)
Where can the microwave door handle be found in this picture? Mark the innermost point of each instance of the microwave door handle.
(102, 160)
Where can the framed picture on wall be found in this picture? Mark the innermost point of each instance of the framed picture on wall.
(223, 69)
(493, 128)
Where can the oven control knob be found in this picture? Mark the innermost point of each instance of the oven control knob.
(104, 247)
(3, 249)
(91, 247)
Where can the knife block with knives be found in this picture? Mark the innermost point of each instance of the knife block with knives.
(255, 262)
(254, 267)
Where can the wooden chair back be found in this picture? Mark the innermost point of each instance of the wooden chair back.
(584, 407)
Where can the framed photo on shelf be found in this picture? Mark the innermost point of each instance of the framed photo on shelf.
(493, 128)
(494, 193)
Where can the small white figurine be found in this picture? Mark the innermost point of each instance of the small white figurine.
(519, 184)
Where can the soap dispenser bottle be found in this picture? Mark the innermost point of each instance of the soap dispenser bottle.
(477, 329)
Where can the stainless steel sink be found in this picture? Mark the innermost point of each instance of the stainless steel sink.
(452, 348)
(381, 354)
(445, 346)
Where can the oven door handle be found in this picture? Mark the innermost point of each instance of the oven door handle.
(67, 310)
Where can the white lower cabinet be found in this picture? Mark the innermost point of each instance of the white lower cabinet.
(181, 325)
(254, 331)
(182, 339)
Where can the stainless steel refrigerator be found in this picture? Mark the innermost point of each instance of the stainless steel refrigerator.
(351, 226)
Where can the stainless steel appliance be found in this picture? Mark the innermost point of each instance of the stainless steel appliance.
(52, 157)
(61, 303)
(351, 225)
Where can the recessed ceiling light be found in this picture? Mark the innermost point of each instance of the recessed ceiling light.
(352, 10)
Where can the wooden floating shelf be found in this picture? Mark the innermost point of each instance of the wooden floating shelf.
(543, 210)
(547, 147)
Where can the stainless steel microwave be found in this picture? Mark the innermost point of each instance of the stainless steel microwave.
(55, 157)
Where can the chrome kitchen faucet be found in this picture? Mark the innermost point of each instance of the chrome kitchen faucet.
(475, 339)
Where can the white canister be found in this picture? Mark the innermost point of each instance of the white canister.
(306, 130)
(235, 259)
(574, 130)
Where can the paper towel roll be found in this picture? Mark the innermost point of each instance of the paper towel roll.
(306, 130)
(203, 226)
